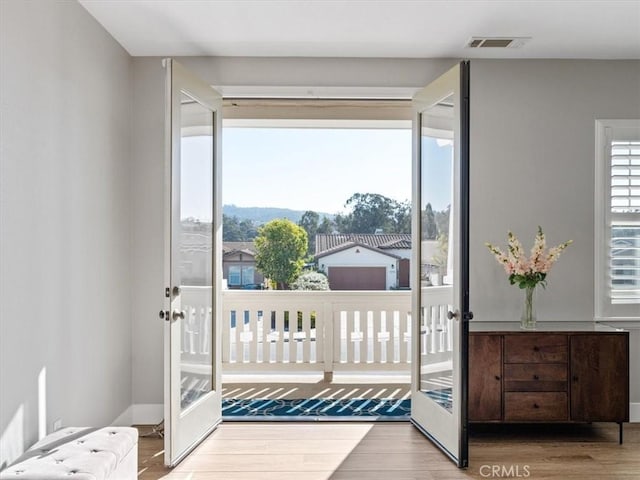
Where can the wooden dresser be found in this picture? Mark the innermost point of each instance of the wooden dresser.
(549, 376)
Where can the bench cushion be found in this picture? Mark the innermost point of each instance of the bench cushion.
(78, 454)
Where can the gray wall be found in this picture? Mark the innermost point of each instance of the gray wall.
(533, 163)
(147, 210)
(64, 217)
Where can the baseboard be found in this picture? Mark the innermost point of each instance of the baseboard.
(634, 412)
(141, 414)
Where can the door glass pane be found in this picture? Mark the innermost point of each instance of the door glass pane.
(195, 252)
(436, 263)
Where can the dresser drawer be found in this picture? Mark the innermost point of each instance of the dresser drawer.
(536, 406)
(535, 377)
(532, 348)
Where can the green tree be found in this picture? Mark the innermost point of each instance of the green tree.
(372, 211)
(442, 221)
(326, 225)
(231, 229)
(441, 257)
(402, 217)
(429, 226)
(236, 230)
(281, 246)
(248, 231)
(309, 222)
(343, 223)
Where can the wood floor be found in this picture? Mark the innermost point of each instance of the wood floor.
(397, 451)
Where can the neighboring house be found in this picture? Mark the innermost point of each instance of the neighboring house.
(195, 256)
(239, 265)
(238, 261)
(364, 261)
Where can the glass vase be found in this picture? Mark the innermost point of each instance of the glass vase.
(528, 318)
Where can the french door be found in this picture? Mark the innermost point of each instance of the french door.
(440, 294)
(192, 353)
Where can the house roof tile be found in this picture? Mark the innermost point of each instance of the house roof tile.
(348, 245)
(245, 247)
(329, 242)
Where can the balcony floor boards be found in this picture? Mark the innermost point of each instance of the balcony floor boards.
(376, 451)
(256, 387)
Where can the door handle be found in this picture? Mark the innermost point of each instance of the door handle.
(177, 314)
(456, 315)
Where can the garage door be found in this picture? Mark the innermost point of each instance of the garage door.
(357, 278)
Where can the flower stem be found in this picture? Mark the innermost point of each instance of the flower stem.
(528, 316)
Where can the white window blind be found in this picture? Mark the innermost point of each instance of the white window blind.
(624, 255)
(618, 219)
(625, 176)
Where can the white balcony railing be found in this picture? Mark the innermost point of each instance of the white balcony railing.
(315, 331)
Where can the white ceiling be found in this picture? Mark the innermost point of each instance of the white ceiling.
(382, 28)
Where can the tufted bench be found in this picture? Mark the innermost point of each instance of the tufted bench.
(80, 454)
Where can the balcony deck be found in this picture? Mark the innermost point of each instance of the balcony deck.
(348, 396)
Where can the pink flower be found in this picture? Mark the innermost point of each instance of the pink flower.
(527, 271)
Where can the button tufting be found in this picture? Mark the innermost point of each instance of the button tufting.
(48, 458)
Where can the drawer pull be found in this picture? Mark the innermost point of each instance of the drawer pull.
(536, 349)
(497, 377)
(575, 378)
(535, 405)
(536, 377)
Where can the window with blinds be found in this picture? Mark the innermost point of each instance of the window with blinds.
(624, 256)
(618, 219)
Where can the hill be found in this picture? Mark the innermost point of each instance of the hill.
(261, 215)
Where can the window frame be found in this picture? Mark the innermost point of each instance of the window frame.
(606, 132)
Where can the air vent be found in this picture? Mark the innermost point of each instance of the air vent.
(497, 42)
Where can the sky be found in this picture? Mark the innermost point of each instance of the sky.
(308, 169)
(314, 169)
